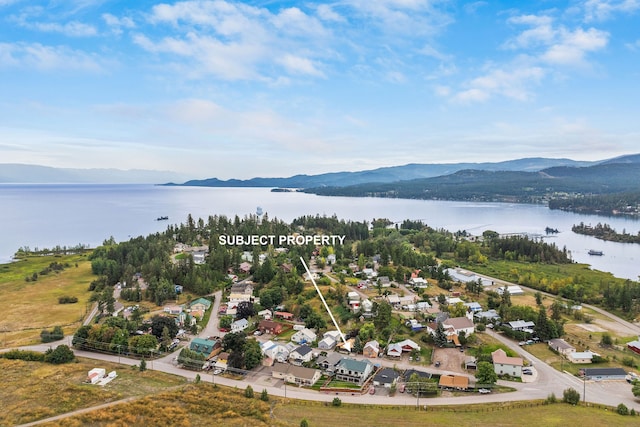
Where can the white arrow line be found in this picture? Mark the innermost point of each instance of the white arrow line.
(346, 345)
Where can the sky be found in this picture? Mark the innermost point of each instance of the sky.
(240, 89)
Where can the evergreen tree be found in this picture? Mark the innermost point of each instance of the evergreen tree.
(440, 337)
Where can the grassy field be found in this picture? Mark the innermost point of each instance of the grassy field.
(205, 405)
(27, 307)
(35, 390)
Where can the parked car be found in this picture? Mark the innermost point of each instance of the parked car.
(217, 372)
(527, 371)
(437, 363)
(372, 390)
(484, 391)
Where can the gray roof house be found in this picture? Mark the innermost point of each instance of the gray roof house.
(352, 370)
(385, 377)
(598, 374)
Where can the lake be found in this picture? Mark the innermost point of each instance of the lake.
(43, 216)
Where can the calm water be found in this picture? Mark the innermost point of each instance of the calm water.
(40, 216)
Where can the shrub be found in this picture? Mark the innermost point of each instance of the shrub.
(61, 354)
(480, 327)
(304, 423)
(551, 398)
(571, 396)
(622, 409)
(248, 392)
(264, 396)
(629, 361)
(67, 300)
(54, 335)
(26, 355)
(143, 365)
(336, 402)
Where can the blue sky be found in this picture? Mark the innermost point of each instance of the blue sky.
(234, 89)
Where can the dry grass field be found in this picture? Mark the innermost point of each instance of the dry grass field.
(27, 307)
(35, 390)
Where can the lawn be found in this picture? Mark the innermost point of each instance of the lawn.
(27, 307)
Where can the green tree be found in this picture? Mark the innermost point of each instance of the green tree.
(486, 375)
(80, 337)
(143, 344)
(264, 396)
(606, 340)
(571, 396)
(143, 365)
(226, 321)
(252, 354)
(383, 315)
(636, 388)
(304, 423)
(248, 392)
(61, 354)
(336, 402)
(367, 332)
(440, 337)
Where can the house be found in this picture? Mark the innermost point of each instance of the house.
(298, 375)
(470, 362)
(456, 325)
(418, 282)
(198, 257)
(521, 325)
(634, 346)
(561, 346)
(385, 377)
(245, 268)
(283, 315)
(371, 349)
(474, 306)
(239, 325)
(513, 290)
(222, 361)
(301, 355)
(580, 356)
(328, 362)
(384, 282)
(367, 307)
(275, 352)
(394, 350)
(598, 374)
(173, 310)
(201, 304)
(205, 347)
(327, 343)
(265, 314)
(408, 345)
(457, 382)
(505, 365)
(342, 346)
(464, 276)
(422, 306)
(303, 336)
(393, 299)
(487, 316)
(270, 327)
(369, 272)
(352, 370)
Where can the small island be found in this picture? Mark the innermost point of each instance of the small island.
(605, 232)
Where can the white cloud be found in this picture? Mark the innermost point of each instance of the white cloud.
(327, 13)
(572, 46)
(298, 65)
(41, 57)
(295, 21)
(601, 10)
(117, 24)
(514, 83)
(71, 29)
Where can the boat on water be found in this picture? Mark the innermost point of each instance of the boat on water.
(594, 252)
(162, 218)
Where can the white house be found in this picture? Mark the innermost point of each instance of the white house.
(301, 355)
(239, 325)
(276, 352)
(304, 336)
(505, 365)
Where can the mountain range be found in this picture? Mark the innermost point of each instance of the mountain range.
(15, 173)
(388, 174)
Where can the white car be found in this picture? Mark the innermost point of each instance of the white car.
(484, 391)
(217, 372)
